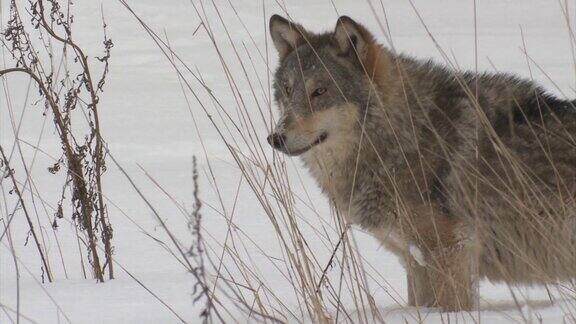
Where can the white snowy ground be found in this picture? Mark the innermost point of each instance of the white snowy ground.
(146, 121)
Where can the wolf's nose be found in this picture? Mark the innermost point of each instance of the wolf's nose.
(276, 140)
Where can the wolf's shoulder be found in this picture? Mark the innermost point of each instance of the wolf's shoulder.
(442, 75)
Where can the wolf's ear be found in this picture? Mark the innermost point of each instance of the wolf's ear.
(286, 35)
(351, 38)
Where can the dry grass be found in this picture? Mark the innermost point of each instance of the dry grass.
(333, 284)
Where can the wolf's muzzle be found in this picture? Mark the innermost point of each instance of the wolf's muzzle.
(276, 140)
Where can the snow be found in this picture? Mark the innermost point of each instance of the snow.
(146, 121)
(416, 253)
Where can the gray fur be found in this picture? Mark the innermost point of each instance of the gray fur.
(465, 169)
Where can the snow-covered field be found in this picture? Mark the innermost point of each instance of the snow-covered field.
(146, 122)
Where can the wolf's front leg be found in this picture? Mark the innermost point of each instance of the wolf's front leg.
(453, 278)
(420, 290)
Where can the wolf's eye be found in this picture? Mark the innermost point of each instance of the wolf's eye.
(318, 92)
(288, 90)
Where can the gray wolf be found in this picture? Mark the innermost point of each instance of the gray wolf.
(463, 176)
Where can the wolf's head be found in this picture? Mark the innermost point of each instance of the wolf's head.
(321, 85)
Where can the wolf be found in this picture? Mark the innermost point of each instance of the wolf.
(464, 176)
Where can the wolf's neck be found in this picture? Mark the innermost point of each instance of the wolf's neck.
(333, 166)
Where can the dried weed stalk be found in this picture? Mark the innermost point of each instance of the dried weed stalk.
(82, 148)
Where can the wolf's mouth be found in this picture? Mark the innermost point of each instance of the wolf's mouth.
(318, 140)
